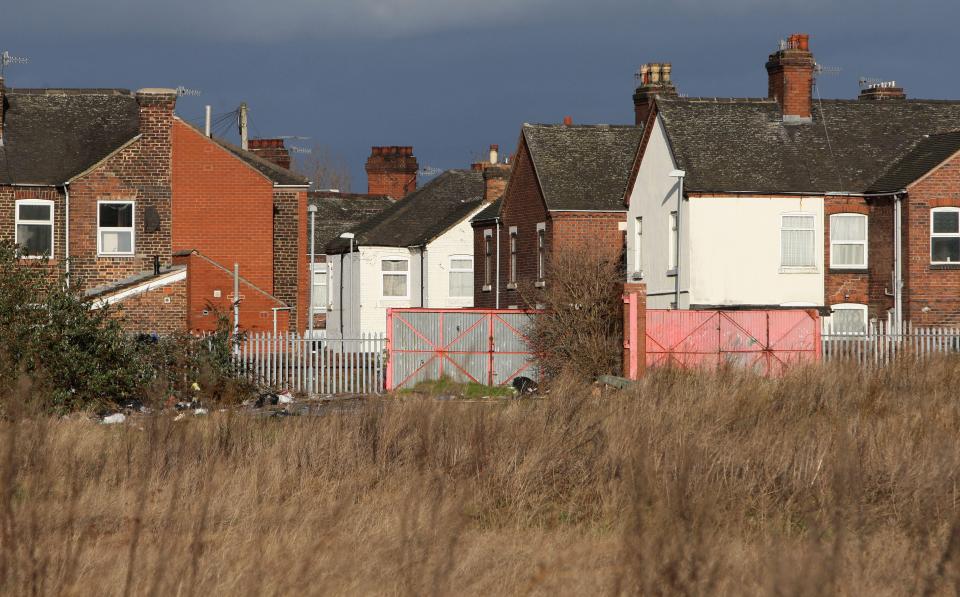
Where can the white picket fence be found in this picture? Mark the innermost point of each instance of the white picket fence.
(314, 365)
(886, 341)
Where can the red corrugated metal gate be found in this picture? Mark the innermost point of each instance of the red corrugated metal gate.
(765, 341)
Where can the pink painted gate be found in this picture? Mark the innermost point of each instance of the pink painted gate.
(765, 341)
(483, 346)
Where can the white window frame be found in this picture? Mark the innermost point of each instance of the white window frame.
(799, 268)
(864, 242)
(132, 228)
(51, 222)
(320, 268)
(406, 274)
(934, 235)
(672, 236)
(541, 251)
(460, 270)
(850, 307)
(487, 259)
(514, 245)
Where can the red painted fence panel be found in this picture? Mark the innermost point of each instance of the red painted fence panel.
(765, 341)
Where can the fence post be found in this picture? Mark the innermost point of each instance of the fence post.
(634, 330)
(388, 385)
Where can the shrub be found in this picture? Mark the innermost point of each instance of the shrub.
(581, 329)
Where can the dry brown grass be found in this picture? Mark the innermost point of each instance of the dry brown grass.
(829, 481)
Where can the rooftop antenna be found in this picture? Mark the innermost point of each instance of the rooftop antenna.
(296, 149)
(293, 137)
(182, 91)
(819, 69)
(429, 171)
(6, 59)
(865, 82)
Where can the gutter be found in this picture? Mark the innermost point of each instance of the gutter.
(796, 193)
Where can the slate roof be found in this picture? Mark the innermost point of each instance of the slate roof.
(731, 145)
(339, 212)
(583, 168)
(927, 154)
(51, 135)
(488, 213)
(422, 215)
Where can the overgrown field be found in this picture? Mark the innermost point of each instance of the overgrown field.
(830, 481)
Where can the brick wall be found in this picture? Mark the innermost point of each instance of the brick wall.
(140, 172)
(484, 299)
(222, 207)
(932, 292)
(205, 280)
(291, 280)
(161, 310)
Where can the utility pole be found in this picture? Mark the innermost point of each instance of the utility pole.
(243, 126)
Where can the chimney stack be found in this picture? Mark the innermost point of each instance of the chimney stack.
(272, 150)
(391, 171)
(653, 79)
(887, 90)
(495, 178)
(790, 78)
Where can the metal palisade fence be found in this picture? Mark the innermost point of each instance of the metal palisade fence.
(885, 341)
(314, 365)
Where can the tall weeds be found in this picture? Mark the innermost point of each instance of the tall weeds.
(829, 480)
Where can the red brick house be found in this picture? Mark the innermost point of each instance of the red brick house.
(144, 212)
(565, 192)
(790, 201)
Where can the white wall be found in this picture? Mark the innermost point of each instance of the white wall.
(653, 197)
(735, 254)
(458, 240)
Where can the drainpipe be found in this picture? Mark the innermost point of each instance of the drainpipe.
(66, 232)
(678, 174)
(897, 260)
(423, 257)
(340, 302)
(312, 209)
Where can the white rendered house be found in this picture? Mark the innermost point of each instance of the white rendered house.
(416, 253)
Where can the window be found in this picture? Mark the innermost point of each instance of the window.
(945, 235)
(115, 228)
(395, 274)
(513, 256)
(848, 241)
(672, 250)
(848, 318)
(487, 257)
(638, 247)
(320, 287)
(461, 276)
(797, 241)
(541, 242)
(34, 228)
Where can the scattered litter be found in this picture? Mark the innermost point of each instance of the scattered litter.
(524, 385)
(285, 398)
(199, 412)
(195, 387)
(135, 405)
(192, 405)
(114, 419)
(264, 399)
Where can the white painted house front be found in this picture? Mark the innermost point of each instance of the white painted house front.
(436, 271)
(735, 249)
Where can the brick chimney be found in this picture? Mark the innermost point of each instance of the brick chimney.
(652, 80)
(495, 179)
(272, 150)
(391, 171)
(790, 78)
(886, 90)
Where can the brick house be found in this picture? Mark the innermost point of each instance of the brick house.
(134, 204)
(785, 201)
(565, 192)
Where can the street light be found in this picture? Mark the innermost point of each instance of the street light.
(678, 174)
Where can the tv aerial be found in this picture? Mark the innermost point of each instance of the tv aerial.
(6, 59)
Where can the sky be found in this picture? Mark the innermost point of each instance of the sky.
(451, 77)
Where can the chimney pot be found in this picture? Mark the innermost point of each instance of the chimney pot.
(568, 120)
(494, 153)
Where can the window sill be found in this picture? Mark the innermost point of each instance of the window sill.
(512, 286)
(116, 255)
(37, 261)
(486, 288)
(540, 284)
(849, 270)
(944, 266)
(799, 270)
(672, 272)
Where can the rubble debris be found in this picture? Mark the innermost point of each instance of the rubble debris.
(114, 419)
(199, 412)
(285, 398)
